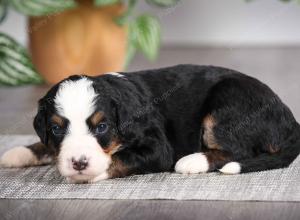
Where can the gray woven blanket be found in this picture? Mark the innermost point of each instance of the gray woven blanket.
(46, 183)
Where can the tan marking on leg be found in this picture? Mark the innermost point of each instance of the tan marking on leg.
(113, 147)
(117, 169)
(209, 121)
(273, 149)
(208, 135)
(217, 158)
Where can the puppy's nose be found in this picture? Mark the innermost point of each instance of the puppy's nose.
(80, 164)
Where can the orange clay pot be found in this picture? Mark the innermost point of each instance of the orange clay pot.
(84, 40)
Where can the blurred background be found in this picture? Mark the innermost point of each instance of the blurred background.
(211, 23)
(260, 38)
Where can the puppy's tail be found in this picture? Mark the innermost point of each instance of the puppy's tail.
(264, 161)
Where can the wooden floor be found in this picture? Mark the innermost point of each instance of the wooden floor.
(147, 209)
(277, 67)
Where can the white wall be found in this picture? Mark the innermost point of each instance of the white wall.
(15, 25)
(235, 22)
(214, 22)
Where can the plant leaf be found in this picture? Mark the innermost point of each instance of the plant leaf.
(148, 35)
(16, 67)
(42, 8)
(163, 3)
(123, 19)
(105, 2)
(3, 10)
(131, 43)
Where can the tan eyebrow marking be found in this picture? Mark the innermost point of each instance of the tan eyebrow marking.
(58, 120)
(96, 118)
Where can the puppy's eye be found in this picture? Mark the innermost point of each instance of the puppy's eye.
(57, 130)
(101, 128)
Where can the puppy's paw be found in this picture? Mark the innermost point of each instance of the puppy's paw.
(193, 163)
(231, 168)
(18, 157)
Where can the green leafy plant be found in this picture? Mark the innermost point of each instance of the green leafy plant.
(16, 67)
(144, 34)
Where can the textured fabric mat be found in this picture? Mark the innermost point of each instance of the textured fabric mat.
(46, 183)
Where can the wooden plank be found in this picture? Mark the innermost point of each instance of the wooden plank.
(147, 209)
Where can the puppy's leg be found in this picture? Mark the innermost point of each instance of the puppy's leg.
(202, 162)
(129, 161)
(23, 156)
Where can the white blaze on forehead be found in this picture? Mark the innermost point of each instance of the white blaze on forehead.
(114, 74)
(74, 100)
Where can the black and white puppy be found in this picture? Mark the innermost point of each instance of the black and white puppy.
(193, 119)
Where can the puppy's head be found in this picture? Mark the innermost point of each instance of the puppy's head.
(78, 120)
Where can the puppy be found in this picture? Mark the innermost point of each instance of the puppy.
(194, 119)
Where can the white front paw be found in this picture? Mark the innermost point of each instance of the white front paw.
(231, 168)
(18, 157)
(193, 163)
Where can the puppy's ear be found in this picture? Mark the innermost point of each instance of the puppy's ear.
(40, 122)
(123, 117)
(130, 112)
